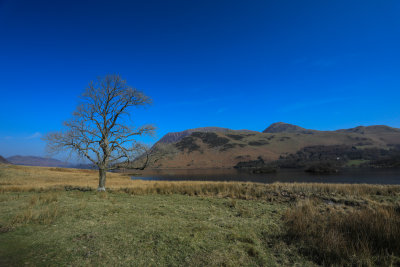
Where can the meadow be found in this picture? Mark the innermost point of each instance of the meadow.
(54, 217)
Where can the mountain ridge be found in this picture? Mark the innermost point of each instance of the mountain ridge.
(283, 127)
(371, 128)
(217, 147)
(172, 137)
(277, 127)
(225, 148)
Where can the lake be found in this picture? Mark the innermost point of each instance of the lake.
(369, 176)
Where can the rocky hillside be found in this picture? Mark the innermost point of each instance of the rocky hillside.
(176, 136)
(224, 148)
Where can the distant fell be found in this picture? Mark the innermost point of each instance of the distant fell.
(282, 127)
(215, 147)
(37, 161)
(370, 129)
(45, 162)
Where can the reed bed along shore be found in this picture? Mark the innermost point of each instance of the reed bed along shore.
(227, 223)
(15, 178)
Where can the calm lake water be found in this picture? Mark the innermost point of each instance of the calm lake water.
(369, 176)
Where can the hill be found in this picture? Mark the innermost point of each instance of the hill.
(371, 129)
(224, 148)
(3, 160)
(45, 162)
(282, 127)
(37, 161)
(177, 136)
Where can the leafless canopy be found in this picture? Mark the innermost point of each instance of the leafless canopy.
(98, 128)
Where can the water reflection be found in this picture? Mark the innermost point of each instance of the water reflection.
(369, 176)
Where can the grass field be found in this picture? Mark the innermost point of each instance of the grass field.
(50, 217)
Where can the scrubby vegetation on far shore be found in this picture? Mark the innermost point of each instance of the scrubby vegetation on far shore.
(54, 216)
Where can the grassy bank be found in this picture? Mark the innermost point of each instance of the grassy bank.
(75, 228)
(50, 216)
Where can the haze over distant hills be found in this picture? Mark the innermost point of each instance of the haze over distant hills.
(44, 162)
(213, 147)
(36, 161)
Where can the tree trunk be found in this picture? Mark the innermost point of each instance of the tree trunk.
(102, 180)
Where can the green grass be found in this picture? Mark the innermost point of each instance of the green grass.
(144, 223)
(356, 162)
(76, 228)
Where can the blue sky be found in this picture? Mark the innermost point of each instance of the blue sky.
(236, 64)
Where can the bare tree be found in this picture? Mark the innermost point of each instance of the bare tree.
(99, 128)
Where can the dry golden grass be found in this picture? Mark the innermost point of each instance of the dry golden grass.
(331, 224)
(42, 215)
(23, 179)
(365, 236)
(41, 208)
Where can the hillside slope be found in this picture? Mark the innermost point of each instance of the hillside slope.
(3, 160)
(177, 136)
(225, 148)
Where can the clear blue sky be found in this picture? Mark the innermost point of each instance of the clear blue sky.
(237, 64)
